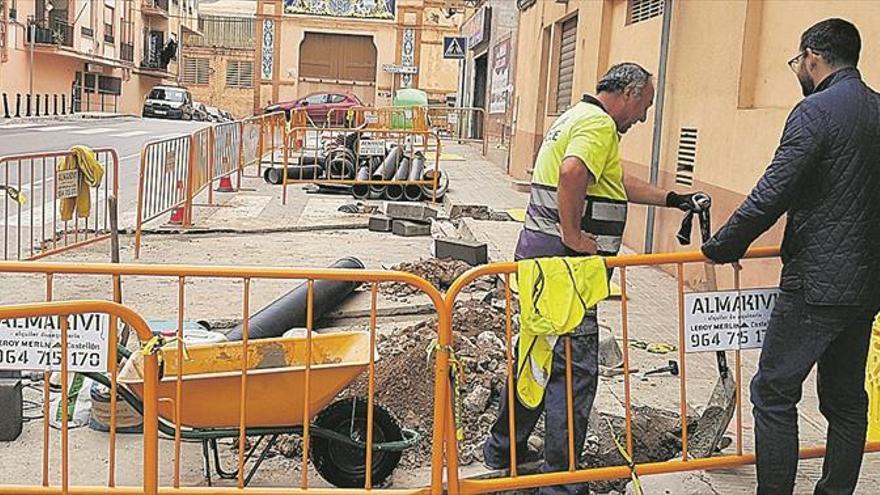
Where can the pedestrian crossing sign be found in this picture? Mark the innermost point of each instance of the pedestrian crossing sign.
(454, 47)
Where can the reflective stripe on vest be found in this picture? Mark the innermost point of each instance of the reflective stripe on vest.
(603, 217)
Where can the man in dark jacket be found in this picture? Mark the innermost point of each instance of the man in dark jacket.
(826, 176)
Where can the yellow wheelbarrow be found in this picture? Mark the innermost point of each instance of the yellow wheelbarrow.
(210, 404)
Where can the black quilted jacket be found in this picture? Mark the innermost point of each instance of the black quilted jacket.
(826, 176)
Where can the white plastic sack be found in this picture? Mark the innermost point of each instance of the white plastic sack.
(78, 403)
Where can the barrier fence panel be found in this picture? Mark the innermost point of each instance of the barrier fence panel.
(33, 191)
(374, 163)
(227, 150)
(201, 168)
(64, 328)
(626, 439)
(163, 180)
(254, 386)
(462, 124)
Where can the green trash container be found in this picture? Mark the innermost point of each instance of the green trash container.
(407, 98)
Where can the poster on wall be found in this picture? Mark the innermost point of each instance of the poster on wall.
(500, 77)
(362, 9)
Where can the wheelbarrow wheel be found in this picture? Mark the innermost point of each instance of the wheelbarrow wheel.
(344, 464)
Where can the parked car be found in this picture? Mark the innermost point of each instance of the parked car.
(318, 105)
(169, 102)
(200, 112)
(214, 114)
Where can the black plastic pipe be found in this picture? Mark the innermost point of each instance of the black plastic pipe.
(394, 192)
(289, 310)
(442, 184)
(413, 192)
(361, 191)
(387, 169)
(340, 163)
(274, 175)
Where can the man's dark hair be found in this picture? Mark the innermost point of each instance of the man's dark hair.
(836, 40)
(626, 76)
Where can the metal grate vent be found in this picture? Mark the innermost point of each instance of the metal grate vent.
(196, 70)
(687, 156)
(239, 74)
(642, 10)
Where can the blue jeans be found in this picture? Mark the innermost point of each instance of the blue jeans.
(584, 377)
(799, 336)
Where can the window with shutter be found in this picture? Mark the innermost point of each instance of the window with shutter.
(565, 75)
(687, 156)
(196, 70)
(642, 10)
(239, 74)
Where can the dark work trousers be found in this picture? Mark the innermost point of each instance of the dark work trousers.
(584, 378)
(799, 335)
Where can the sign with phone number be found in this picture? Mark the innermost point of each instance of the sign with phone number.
(35, 343)
(727, 320)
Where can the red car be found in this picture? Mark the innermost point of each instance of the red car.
(320, 105)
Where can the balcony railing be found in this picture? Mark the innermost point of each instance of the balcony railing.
(126, 52)
(54, 32)
(155, 7)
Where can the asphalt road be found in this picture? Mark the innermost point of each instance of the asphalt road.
(126, 135)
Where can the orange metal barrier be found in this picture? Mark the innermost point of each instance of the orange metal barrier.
(351, 156)
(236, 405)
(384, 118)
(228, 153)
(63, 358)
(516, 481)
(32, 226)
(174, 171)
(462, 124)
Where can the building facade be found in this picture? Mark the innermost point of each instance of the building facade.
(218, 64)
(727, 93)
(369, 48)
(488, 72)
(96, 55)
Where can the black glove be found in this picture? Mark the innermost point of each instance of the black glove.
(689, 203)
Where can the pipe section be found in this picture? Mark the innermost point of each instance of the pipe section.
(290, 310)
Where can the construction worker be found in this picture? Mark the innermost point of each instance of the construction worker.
(578, 207)
(825, 176)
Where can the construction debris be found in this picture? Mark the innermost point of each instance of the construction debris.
(439, 272)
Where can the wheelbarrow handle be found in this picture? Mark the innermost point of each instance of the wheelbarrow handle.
(409, 440)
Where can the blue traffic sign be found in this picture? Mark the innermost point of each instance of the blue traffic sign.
(454, 47)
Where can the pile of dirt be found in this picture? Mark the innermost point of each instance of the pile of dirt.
(439, 272)
(405, 376)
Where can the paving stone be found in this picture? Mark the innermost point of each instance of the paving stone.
(473, 253)
(380, 223)
(406, 228)
(410, 211)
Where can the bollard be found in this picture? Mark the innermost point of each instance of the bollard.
(55, 104)
(28, 106)
(46, 105)
(6, 106)
(36, 105)
(18, 104)
(63, 104)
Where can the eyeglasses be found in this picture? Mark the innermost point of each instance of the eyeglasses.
(796, 61)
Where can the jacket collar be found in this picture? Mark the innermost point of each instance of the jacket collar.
(592, 100)
(837, 76)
